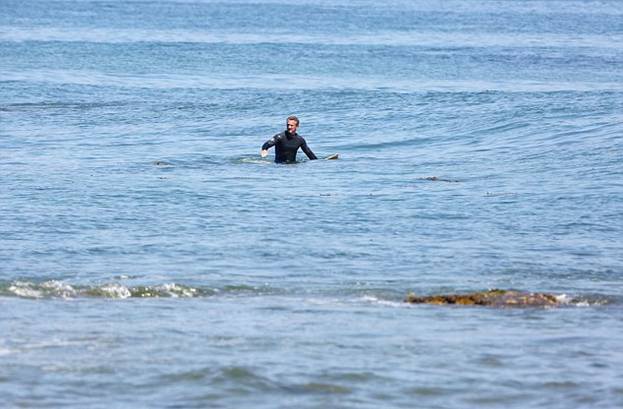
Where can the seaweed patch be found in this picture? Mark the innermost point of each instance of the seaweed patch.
(493, 298)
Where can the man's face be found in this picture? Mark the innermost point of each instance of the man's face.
(292, 126)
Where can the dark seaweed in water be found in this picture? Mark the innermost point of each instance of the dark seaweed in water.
(493, 298)
(438, 179)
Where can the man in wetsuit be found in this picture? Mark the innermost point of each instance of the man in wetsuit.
(287, 143)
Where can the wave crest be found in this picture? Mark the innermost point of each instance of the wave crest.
(58, 289)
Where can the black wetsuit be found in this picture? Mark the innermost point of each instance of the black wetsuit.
(286, 145)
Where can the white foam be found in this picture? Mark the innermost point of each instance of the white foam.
(52, 288)
(116, 291)
(25, 290)
(174, 290)
(375, 300)
(568, 300)
(58, 289)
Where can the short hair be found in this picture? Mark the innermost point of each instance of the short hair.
(293, 118)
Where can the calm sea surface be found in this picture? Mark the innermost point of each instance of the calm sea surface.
(150, 258)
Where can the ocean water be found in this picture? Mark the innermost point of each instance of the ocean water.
(150, 258)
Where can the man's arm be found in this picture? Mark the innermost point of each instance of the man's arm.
(308, 151)
(267, 145)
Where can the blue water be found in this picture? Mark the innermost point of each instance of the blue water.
(150, 258)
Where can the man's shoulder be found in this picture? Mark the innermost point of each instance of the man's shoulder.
(279, 135)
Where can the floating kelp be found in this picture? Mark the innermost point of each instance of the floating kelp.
(162, 164)
(492, 298)
(438, 179)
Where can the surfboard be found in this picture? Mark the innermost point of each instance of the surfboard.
(334, 156)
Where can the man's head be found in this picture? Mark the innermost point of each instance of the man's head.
(292, 124)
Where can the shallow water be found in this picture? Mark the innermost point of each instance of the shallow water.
(150, 258)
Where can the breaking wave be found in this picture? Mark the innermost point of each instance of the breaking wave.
(63, 290)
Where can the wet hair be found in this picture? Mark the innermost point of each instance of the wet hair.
(293, 118)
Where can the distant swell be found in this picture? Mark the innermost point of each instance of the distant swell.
(269, 81)
(384, 38)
